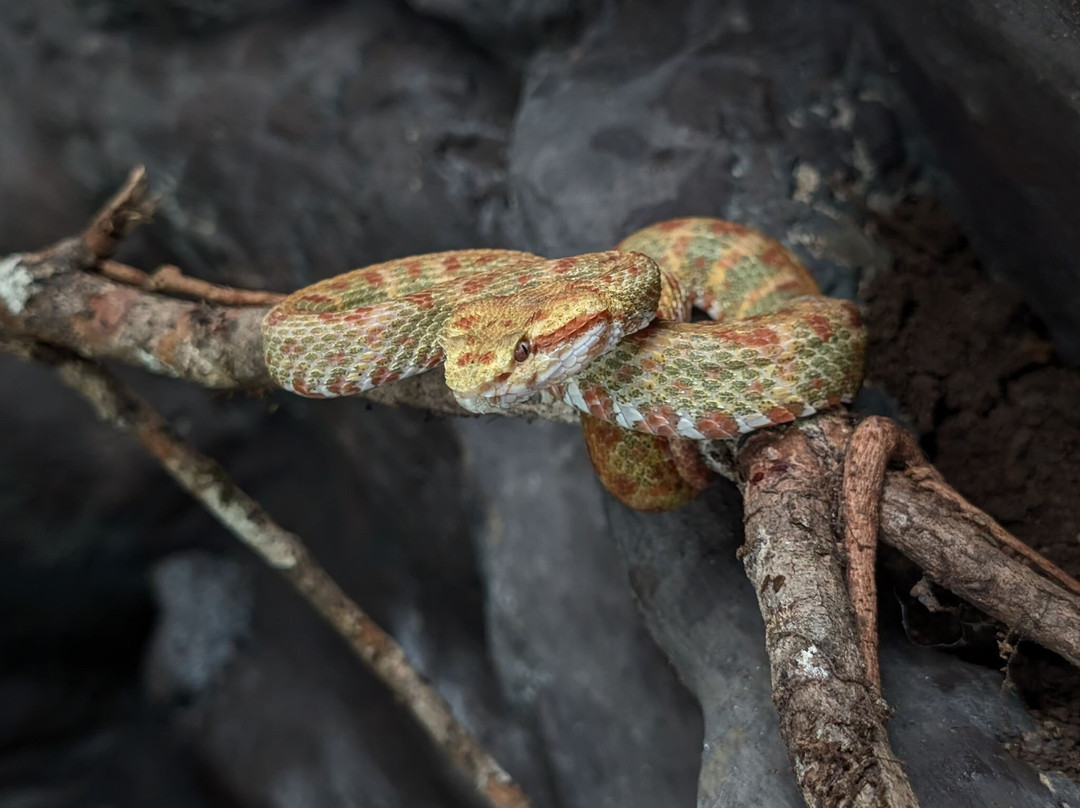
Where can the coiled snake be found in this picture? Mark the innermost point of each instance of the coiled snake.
(509, 325)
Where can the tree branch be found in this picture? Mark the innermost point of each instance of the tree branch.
(831, 716)
(204, 479)
(73, 298)
(62, 296)
(170, 280)
(956, 548)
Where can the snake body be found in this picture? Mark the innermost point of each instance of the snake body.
(510, 325)
(352, 332)
(776, 349)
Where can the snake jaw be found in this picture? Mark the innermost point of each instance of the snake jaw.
(551, 363)
(502, 350)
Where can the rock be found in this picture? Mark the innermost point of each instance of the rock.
(205, 616)
(993, 85)
(290, 148)
(502, 25)
(950, 717)
(566, 637)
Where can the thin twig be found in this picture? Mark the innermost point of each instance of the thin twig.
(205, 480)
(168, 279)
(874, 444)
(131, 206)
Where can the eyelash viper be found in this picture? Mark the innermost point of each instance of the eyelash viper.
(509, 325)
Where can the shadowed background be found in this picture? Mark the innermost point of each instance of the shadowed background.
(922, 160)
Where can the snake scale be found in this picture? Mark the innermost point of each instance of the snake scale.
(605, 332)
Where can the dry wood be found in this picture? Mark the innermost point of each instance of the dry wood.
(168, 279)
(957, 549)
(875, 442)
(831, 716)
(204, 479)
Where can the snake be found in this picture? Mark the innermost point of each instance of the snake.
(608, 333)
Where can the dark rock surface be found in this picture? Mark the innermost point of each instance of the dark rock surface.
(949, 716)
(292, 141)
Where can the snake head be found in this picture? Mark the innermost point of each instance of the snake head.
(502, 350)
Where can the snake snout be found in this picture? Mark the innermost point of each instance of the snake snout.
(544, 369)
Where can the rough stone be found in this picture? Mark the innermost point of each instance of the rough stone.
(950, 717)
(291, 141)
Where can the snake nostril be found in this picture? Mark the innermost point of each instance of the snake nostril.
(502, 377)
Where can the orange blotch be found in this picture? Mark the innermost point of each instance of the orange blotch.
(755, 337)
(598, 402)
(781, 415)
(660, 421)
(666, 227)
(524, 279)
(464, 359)
(374, 278)
(357, 315)
(718, 425)
(300, 386)
(384, 375)
(474, 285)
(776, 255)
(820, 326)
(465, 322)
(543, 342)
(854, 318)
(336, 358)
(793, 285)
(755, 386)
(414, 270)
(424, 300)
(562, 266)
(720, 226)
(452, 264)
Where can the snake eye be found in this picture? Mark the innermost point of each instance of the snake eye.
(522, 349)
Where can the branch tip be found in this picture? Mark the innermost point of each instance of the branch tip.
(131, 206)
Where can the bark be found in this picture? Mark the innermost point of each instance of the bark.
(831, 717)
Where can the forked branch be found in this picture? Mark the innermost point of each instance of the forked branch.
(72, 305)
(204, 479)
